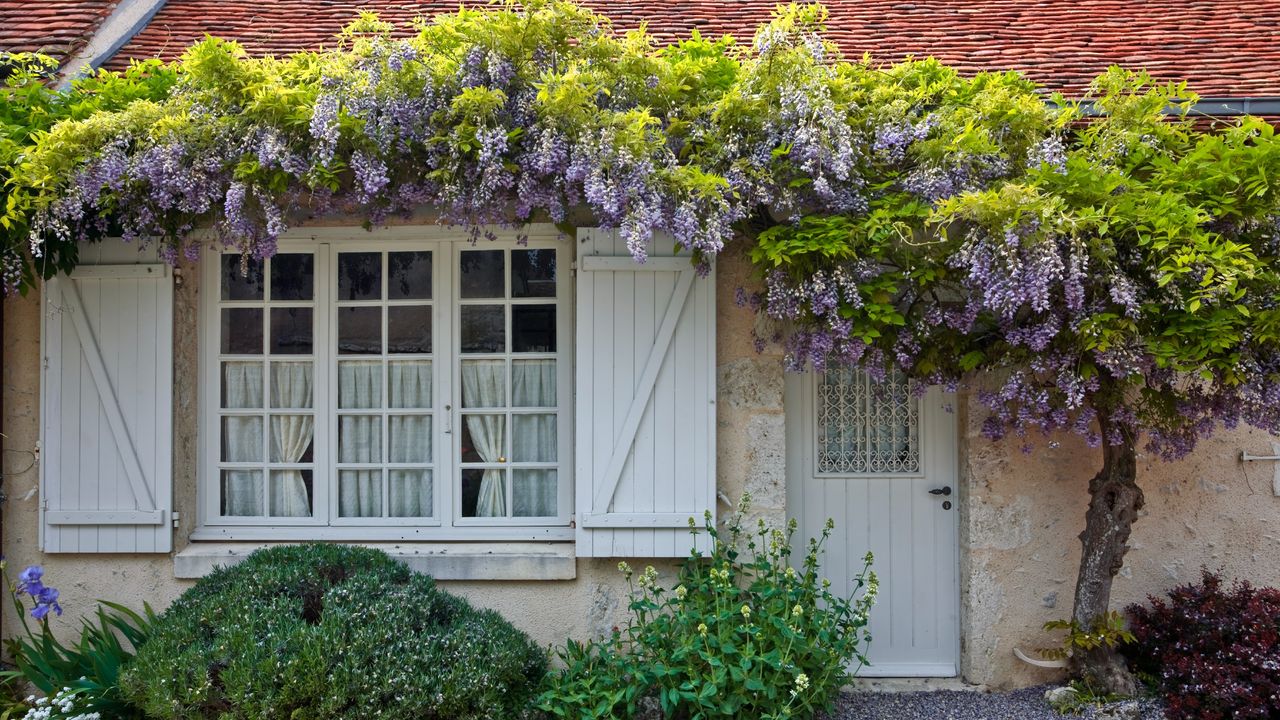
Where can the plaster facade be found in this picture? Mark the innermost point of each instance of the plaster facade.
(1020, 512)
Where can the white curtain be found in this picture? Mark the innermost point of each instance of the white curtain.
(533, 438)
(290, 437)
(410, 493)
(484, 385)
(242, 439)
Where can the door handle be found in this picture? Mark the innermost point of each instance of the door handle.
(944, 490)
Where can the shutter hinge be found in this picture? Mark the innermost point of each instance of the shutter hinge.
(176, 517)
(573, 268)
(573, 520)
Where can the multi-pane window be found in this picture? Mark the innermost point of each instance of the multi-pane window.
(390, 385)
(865, 426)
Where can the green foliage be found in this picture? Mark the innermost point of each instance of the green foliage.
(1081, 697)
(744, 633)
(1109, 630)
(86, 671)
(29, 108)
(330, 631)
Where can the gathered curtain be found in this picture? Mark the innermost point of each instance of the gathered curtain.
(291, 388)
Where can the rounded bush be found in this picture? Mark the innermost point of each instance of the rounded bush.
(322, 632)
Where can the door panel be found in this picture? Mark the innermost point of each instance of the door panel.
(915, 621)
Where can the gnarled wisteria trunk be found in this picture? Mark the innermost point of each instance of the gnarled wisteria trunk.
(1115, 500)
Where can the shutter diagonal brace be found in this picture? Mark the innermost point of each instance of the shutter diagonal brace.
(107, 395)
(644, 389)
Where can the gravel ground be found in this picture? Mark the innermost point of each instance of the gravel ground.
(1028, 704)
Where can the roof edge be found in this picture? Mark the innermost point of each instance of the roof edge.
(127, 19)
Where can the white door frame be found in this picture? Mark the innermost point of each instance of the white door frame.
(870, 525)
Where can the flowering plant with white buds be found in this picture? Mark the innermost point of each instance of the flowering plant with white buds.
(749, 631)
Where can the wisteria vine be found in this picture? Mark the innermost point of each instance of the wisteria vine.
(1117, 269)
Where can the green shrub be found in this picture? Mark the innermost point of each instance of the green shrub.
(741, 637)
(81, 677)
(324, 632)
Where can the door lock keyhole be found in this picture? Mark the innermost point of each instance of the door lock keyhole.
(946, 505)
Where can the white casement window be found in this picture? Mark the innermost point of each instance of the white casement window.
(396, 389)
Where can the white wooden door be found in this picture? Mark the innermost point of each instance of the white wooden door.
(867, 455)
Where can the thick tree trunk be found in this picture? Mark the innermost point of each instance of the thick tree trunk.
(1115, 500)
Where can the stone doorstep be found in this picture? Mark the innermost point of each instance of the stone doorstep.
(900, 685)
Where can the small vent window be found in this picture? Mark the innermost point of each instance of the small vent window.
(867, 427)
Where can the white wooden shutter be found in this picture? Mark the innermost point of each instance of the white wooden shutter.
(645, 413)
(106, 417)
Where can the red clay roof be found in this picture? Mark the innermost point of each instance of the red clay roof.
(1223, 47)
(55, 27)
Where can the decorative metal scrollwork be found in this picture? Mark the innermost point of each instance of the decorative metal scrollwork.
(866, 426)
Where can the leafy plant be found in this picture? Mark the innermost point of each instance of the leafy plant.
(330, 631)
(742, 634)
(1212, 650)
(1108, 630)
(1079, 697)
(85, 673)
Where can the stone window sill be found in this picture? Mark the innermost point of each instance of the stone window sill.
(443, 561)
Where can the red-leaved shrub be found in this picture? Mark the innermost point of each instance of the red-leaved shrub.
(1214, 651)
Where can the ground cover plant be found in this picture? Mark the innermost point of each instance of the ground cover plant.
(77, 680)
(745, 632)
(330, 631)
(1105, 267)
(1211, 649)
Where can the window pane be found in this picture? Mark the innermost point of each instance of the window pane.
(410, 382)
(241, 385)
(360, 384)
(484, 493)
(360, 331)
(484, 438)
(242, 439)
(238, 285)
(291, 438)
(291, 385)
(533, 328)
(533, 438)
(409, 329)
(360, 493)
(291, 331)
(533, 383)
(360, 439)
(533, 273)
(410, 438)
(411, 493)
(242, 331)
(410, 275)
(534, 493)
(291, 493)
(484, 383)
(483, 329)
(292, 276)
(360, 276)
(482, 274)
(242, 493)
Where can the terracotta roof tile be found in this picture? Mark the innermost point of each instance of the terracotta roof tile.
(1222, 47)
(55, 27)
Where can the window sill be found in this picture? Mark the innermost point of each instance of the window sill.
(443, 561)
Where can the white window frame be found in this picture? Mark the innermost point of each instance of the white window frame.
(447, 524)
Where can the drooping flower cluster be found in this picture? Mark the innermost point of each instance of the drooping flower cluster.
(44, 599)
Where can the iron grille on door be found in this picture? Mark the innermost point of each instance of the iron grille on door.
(867, 427)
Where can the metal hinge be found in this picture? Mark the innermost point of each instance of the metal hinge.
(176, 517)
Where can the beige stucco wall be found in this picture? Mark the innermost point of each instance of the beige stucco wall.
(1019, 513)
